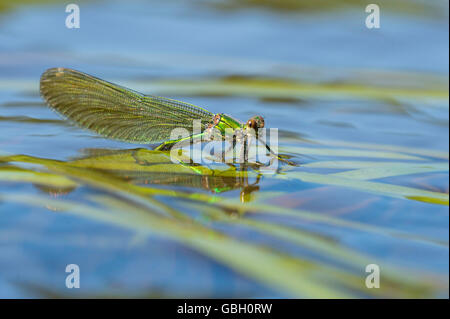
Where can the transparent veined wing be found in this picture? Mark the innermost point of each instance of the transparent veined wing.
(114, 111)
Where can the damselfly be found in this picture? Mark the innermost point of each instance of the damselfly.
(119, 113)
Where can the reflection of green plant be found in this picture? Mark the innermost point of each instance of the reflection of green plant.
(400, 6)
(432, 8)
(129, 203)
(8, 5)
(289, 6)
(274, 88)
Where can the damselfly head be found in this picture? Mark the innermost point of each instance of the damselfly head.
(256, 122)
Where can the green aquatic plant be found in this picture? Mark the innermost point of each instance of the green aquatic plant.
(300, 277)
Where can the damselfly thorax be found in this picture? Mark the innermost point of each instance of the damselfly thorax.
(225, 124)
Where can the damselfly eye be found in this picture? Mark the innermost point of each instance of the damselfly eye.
(252, 124)
(260, 121)
(256, 122)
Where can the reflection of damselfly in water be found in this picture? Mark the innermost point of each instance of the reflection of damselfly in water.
(148, 168)
(123, 114)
